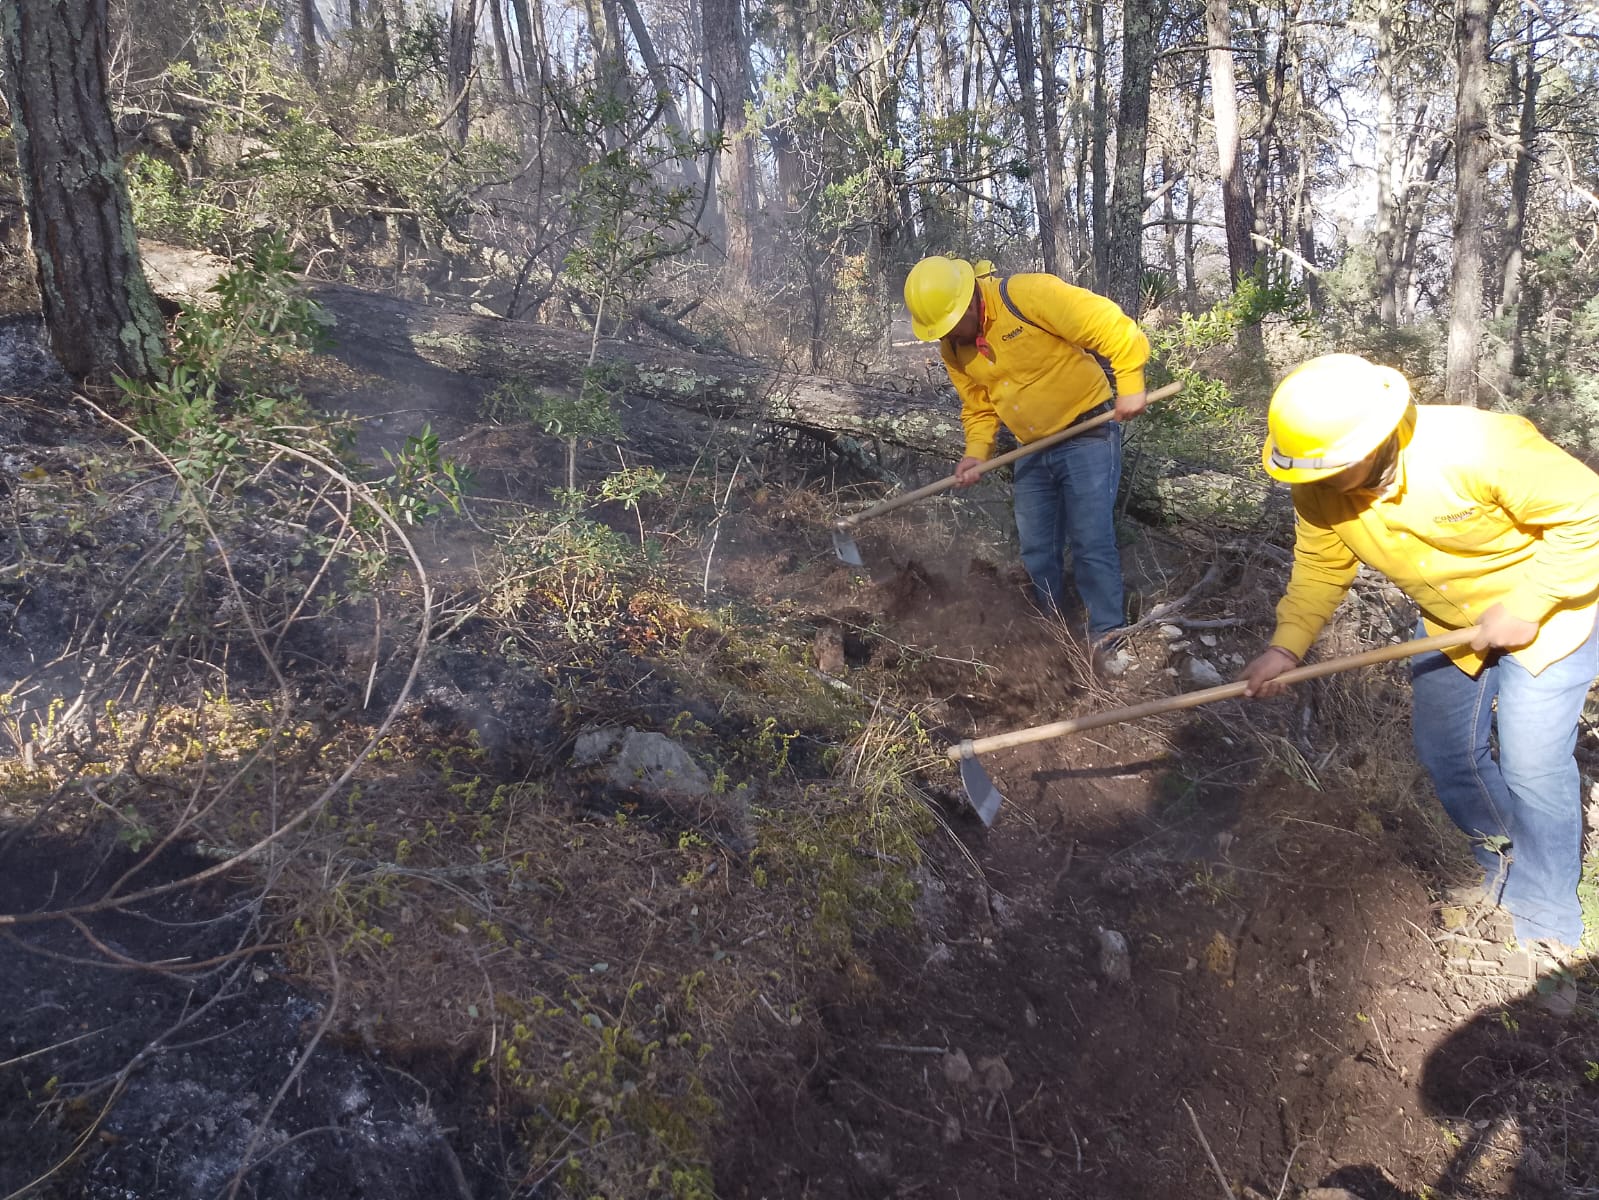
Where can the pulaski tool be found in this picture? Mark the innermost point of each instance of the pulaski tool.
(843, 529)
(986, 799)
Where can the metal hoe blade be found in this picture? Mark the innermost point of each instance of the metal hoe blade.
(981, 793)
(846, 549)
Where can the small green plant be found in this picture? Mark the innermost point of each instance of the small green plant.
(629, 487)
(221, 353)
(625, 1112)
(423, 482)
(1588, 898)
(133, 833)
(572, 418)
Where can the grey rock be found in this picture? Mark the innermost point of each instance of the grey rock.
(994, 1075)
(653, 762)
(957, 1068)
(1115, 959)
(594, 744)
(1202, 673)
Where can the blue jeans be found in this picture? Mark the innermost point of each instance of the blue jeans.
(1532, 795)
(1067, 494)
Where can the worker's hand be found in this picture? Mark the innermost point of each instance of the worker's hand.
(966, 471)
(1499, 630)
(1261, 674)
(1129, 406)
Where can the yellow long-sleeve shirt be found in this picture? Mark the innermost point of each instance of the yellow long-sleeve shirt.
(1041, 379)
(1483, 510)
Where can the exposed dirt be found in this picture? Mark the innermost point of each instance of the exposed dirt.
(1288, 978)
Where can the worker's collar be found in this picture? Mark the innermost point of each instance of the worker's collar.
(1394, 488)
(985, 322)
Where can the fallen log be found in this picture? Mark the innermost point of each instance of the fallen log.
(371, 327)
(721, 386)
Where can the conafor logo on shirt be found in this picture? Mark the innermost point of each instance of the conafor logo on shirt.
(1455, 518)
(1013, 333)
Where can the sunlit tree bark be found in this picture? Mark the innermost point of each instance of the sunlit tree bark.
(1237, 212)
(1125, 262)
(727, 58)
(1473, 152)
(463, 36)
(1523, 87)
(98, 307)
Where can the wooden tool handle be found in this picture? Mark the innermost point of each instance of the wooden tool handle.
(1043, 443)
(1226, 691)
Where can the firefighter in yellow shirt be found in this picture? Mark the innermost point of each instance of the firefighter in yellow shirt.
(1480, 521)
(1038, 354)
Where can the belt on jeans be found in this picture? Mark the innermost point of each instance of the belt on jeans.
(1106, 407)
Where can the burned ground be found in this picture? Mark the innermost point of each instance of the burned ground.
(489, 971)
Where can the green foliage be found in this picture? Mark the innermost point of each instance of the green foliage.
(855, 848)
(628, 217)
(169, 206)
(1206, 422)
(280, 154)
(588, 414)
(259, 317)
(625, 1113)
(423, 483)
(562, 566)
(631, 485)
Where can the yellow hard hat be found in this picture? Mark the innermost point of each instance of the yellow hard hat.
(1329, 413)
(983, 268)
(938, 291)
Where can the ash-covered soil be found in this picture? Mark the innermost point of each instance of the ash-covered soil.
(146, 1056)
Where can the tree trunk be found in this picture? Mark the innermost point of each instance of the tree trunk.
(610, 64)
(97, 304)
(1191, 202)
(1237, 212)
(355, 16)
(463, 36)
(532, 60)
(1021, 26)
(388, 63)
(1473, 21)
(1099, 134)
(1387, 240)
(1509, 307)
(1053, 152)
(502, 48)
(1411, 215)
(727, 58)
(1304, 224)
(1132, 136)
(310, 54)
(663, 87)
(1168, 212)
